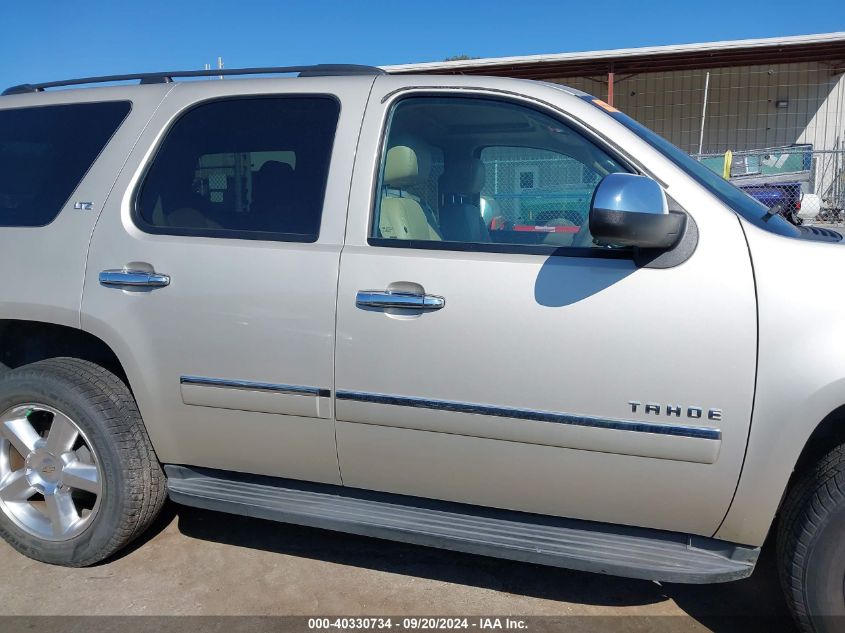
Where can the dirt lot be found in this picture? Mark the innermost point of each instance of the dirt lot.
(202, 563)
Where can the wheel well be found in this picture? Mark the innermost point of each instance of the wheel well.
(828, 434)
(24, 342)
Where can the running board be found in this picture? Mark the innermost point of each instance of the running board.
(573, 544)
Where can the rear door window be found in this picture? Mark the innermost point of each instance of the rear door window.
(248, 168)
(46, 151)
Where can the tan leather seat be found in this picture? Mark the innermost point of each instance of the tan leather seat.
(401, 215)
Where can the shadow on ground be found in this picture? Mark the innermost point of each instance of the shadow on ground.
(754, 604)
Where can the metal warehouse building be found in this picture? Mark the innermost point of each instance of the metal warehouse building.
(756, 98)
(761, 93)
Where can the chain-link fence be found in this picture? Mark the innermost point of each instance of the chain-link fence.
(797, 180)
(784, 122)
(523, 188)
(527, 187)
(533, 189)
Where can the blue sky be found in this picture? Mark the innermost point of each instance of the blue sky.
(53, 39)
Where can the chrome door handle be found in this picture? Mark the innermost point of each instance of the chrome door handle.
(390, 299)
(133, 278)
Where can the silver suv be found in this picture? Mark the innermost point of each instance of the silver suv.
(483, 314)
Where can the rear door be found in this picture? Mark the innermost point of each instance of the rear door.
(531, 369)
(230, 215)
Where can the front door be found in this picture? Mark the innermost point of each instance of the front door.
(530, 368)
(233, 223)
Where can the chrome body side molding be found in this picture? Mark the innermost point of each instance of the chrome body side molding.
(263, 397)
(678, 430)
(255, 386)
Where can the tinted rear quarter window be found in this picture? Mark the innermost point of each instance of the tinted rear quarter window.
(46, 151)
(248, 168)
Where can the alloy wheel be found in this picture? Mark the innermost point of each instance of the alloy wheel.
(50, 479)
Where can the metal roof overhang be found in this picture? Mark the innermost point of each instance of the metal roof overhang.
(829, 49)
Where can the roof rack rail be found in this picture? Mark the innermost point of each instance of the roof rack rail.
(317, 70)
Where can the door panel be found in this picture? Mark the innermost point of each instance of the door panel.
(516, 393)
(232, 362)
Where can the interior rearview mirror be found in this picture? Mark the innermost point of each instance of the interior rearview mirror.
(631, 210)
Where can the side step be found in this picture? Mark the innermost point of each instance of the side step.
(573, 544)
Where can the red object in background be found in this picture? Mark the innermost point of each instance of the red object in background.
(546, 229)
(500, 224)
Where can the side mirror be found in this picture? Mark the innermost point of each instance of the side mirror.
(631, 210)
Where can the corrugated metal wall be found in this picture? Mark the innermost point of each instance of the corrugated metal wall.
(741, 110)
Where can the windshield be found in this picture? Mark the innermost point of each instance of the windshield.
(746, 206)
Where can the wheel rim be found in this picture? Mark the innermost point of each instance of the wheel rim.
(50, 478)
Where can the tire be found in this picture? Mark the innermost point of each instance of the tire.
(127, 489)
(811, 546)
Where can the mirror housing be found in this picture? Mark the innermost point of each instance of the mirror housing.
(632, 210)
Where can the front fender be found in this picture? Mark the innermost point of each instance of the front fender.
(800, 370)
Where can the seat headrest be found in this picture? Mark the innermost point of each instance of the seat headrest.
(272, 170)
(271, 177)
(270, 182)
(406, 166)
(463, 176)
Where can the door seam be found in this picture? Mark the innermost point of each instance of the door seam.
(337, 285)
(106, 199)
(756, 372)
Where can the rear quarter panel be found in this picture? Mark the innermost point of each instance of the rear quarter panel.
(42, 268)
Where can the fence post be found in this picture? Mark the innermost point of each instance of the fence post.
(703, 112)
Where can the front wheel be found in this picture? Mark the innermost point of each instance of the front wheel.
(78, 475)
(811, 546)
